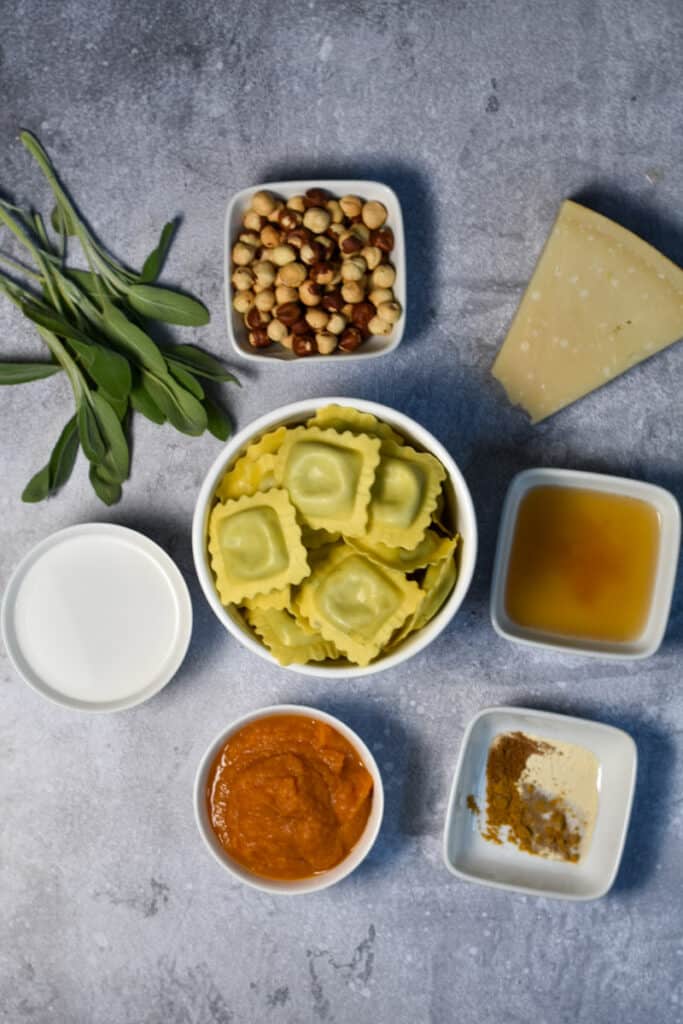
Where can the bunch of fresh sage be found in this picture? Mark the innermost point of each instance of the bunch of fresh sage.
(95, 323)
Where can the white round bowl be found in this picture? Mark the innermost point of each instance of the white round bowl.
(295, 887)
(457, 495)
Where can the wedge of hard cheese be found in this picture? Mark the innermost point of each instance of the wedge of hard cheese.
(600, 301)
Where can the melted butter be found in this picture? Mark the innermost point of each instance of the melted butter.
(583, 564)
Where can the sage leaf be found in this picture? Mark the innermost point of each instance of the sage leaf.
(168, 306)
(38, 487)
(106, 491)
(180, 408)
(113, 435)
(62, 221)
(143, 403)
(110, 371)
(64, 455)
(119, 405)
(185, 378)
(132, 338)
(89, 432)
(24, 373)
(218, 421)
(87, 281)
(201, 363)
(155, 261)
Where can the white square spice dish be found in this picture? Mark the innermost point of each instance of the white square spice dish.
(469, 856)
(376, 190)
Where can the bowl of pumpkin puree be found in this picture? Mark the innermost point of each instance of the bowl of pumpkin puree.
(288, 799)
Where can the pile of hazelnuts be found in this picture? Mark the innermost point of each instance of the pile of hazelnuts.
(313, 274)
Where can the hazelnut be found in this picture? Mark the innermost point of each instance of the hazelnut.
(347, 310)
(383, 276)
(265, 300)
(310, 293)
(264, 272)
(242, 254)
(349, 243)
(253, 221)
(374, 214)
(276, 330)
(263, 203)
(270, 236)
(311, 252)
(353, 269)
(316, 220)
(335, 211)
(379, 326)
(292, 275)
(274, 214)
(260, 286)
(334, 231)
(362, 314)
(328, 246)
(243, 302)
(300, 327)
(379, 295)
(297, 203)
(351, 206)
(304, 345)
(372, 256)
(282, 255)
(250, 238)
(288, 341)
(317, 319)
(258, 338)
(350, 339)
(336, 323)
(242, 279)
(289, 219)
(362, 232)
(289, 313)
(299, 236)
(322, 273)
(353, 291)
(389, 311)
(383, 238)
(316, 197)
(326, 342)
(333, 301)
(285, 294)
(256, 318)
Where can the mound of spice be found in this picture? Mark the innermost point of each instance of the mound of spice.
(540, 796)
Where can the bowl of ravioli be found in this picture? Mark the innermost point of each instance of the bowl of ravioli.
(334, 537)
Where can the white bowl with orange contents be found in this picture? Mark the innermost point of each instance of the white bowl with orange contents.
(205, 803)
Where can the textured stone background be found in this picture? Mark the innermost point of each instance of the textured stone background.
(483, 115)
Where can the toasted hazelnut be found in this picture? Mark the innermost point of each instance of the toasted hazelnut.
(310, 293)
(289, 219)
(349, 243)
(264, 273)
(347, 310)
(335, 211)
(242, 254)
(336, 323)
(372, 256)
(259, 338)
(311, 252)
(362, 232)
(270, 236)
(317, 319)
(299, 236)
(378, 325)
(322, 273)
(274, 214)
(379, 295)
(383, 276)
(353, 291)
(351, 206)
(304, 345)
(362, 314)
(296, 203)
(256, 318)
(292, 275)
(374, 214)
(285, 294)
(243, 302)
(333, 301)
(327, 245)
(350, 339)
(263, 202)
(253, 221)
(389, 311)
(250, 238)
(289, 313)
(265, 300)
(334, 231)
(316, 220)
(242, 279)
(326, 342)
(353, 269)
(288, 341)
(300, 326)
(276, 330)
(282, 255)
(260, 286)
(383, 238)
(316, 197)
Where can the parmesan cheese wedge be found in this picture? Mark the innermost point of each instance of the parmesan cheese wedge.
(600, 300)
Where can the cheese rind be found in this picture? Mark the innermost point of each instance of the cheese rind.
(600, 300)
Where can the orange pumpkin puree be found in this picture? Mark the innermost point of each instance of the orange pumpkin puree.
(288, 797)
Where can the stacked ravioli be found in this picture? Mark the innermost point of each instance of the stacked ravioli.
(329, 539)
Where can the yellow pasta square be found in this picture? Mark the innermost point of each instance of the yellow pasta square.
(289, 639)
(343, 417)
(247, 476)
(404, 495)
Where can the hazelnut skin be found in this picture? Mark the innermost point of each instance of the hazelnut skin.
(304, 345)
(350, 339)
(258, 338)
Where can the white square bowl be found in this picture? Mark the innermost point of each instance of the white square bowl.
(375, 346)
(669, 515)
(473, 858)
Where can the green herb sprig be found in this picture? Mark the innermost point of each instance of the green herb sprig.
(95, 325)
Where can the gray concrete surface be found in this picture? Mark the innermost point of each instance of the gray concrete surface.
(483, 115)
